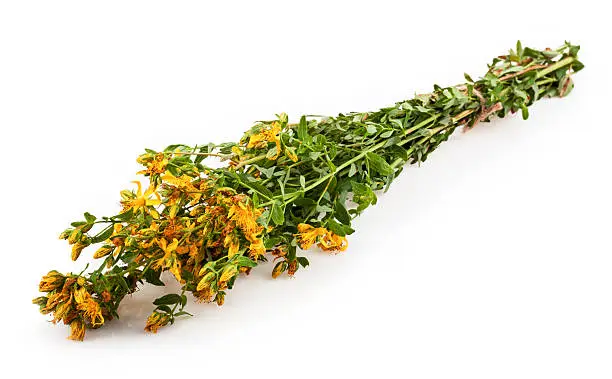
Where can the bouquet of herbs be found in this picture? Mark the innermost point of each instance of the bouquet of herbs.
(285, 187)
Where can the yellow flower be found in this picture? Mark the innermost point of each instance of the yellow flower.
(256, 248)
(289, 152)
(267, 133)
(140, 201)
(332, 242)
(231, 241)
(77, 330)
(169, 260)
(155, 164)
(327, 240)
(89, 306)
(155, 321)
(184, 184)
(245, 217)
(308, 235)
(236, 150)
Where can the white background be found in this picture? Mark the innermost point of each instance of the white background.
(492, 260)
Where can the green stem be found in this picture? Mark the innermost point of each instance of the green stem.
(363, 154)
(251, 160)
(319, 199)
(555, 66)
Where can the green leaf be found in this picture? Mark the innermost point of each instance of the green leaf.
(255, 186)
(89, 218)
(103, 235)
(339, 229)
(125, 215)
(242, 261)
(363, 196)
(352, 170)
(169, 299)
(379, 164)
(277, 214)
(524, 112)
(291, 251)
(341, 213)
(565, 86)
(303, 130)
(164, 309)
(303, 261)
(152, 276)
(371, 129)
(577, 66)
(529, 52)
(272, 153)
(123, 283)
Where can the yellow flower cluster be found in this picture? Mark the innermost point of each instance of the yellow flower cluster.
(327, 240)
(267, 133)
(69, 300)
(155, 163)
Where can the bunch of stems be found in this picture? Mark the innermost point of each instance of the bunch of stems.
(285, 187)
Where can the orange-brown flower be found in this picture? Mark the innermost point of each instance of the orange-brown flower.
(88, 306)
(308, 235)
(332, 242)
(77, 330)
(155, 321)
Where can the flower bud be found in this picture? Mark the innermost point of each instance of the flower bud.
(206, 281)
(85, 228)
(60, 311)
(53, 280)
(155, 321)
(103, 251)
(293, 267)
(65, 234)
(106, 296)
(279, 269)
(76, 250)
(229, 271)
(41, 301)
(75, 236)
(220, 298)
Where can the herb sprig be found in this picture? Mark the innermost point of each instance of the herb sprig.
(285, 186)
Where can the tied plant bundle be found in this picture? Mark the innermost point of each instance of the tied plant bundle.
(284, 186)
